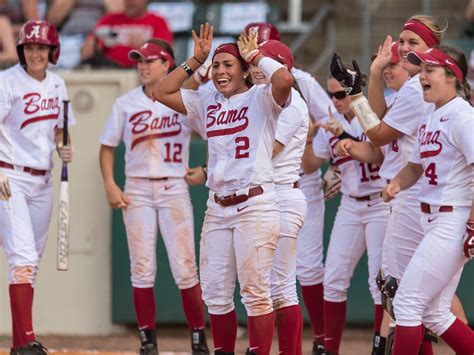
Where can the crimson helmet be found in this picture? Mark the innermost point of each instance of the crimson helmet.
(39, 32)
(265, 31)
(279, 51)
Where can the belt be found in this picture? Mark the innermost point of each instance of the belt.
(426, 208)
(370, 197)
(235, 199)
(34, 172)
(155, 179)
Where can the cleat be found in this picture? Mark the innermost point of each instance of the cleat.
(318, 349)
(33, 348)
(148, 340)
(149, 349)
(198, 342)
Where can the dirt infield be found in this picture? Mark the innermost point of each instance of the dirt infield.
(175, 340)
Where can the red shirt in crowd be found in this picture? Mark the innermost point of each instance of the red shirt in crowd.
(115, 33)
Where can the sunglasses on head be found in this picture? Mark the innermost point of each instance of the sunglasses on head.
(338, 94)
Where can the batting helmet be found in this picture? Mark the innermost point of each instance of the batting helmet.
(265, 31)
(39, 32)
(278, 51)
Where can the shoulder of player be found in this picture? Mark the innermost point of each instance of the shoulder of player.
(55, 78)
(411, 89)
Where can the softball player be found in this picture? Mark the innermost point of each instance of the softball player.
(360, 221)
(31, 111)
(443, 161)
(309, 248)
(288, 147)
(241, 226)
(398, 131)
(156, 155)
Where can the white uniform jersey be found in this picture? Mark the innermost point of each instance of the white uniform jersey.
(358, 179)
(445, 149)
(292, 130)
(156, 138)
(316, 97)
(240, 132)
(404, 115)
(30, 110)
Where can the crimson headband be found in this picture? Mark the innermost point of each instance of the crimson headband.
(232, 49)
(436, 57)
(151, 51)
(423, 31)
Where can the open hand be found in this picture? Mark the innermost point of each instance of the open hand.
(384, 56)
(203, 43)
(349, 79)
(248, 46)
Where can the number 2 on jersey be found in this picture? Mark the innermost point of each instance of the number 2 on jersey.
(243, 145)
(173, 153)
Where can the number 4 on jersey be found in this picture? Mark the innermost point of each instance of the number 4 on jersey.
(430, 173)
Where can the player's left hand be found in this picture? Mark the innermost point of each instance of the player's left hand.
(5, 192)
(195, 176)
(203, 43)
(468, 242)
(349, 79)
(390, 191)
(384, 55)
(248, 46)
(65, 152)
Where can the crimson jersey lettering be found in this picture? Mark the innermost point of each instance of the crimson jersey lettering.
(225, 118)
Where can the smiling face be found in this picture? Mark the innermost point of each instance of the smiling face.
(228, 75)
(257, 76)
(410, 41)
(395, 76)
(36, 58)
(438, 87)
(151, 71)
(342, 105)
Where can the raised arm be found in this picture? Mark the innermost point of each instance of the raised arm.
(280, 78)
(168, 90)
(376, 83)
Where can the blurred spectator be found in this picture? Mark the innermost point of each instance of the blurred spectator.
(19, 11)
(469, 14)
(7, 43)
(72, 17)
(116, 34)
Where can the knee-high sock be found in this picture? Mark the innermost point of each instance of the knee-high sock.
(459, 337)
(426, 347)
(21, 305)
(288, 329)
(224, 331)
(334, 321)
(145, 307)
(299, 348)
(193, 307)
(378, 316)
(313, 300)
(407, 340)
(261, 333)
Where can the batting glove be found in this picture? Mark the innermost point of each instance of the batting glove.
(5, 192)
(332, 182)
(248, 46)
(65, 152)
(203, 74)
(468, 242)
(349, 79)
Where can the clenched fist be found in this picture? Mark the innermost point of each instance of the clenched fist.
(65, 152)
(468, 242)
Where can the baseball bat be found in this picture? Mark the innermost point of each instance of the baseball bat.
(62, 260)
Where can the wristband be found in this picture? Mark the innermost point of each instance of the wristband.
(367, 118)
(204, 169)
(345, 135)
(197, 60)
(187, 68)
(269, 66)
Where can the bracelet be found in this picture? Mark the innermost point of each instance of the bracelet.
(345, 135)
(187, 68)
(197, 60)
(204, 169)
